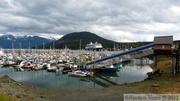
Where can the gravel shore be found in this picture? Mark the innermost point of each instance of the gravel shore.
(25, 92)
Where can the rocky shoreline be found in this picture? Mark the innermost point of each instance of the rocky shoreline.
(23, 92)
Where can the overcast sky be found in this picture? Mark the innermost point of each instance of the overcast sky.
(119, 20)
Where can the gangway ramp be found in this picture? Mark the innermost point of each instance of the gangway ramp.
(139, 54)
(124, 53)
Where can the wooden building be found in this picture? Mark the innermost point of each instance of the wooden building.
(163, 45)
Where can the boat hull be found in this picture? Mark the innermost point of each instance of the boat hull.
(106, 69)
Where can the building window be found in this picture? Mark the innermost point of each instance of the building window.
(162, 46)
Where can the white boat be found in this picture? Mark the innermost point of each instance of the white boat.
(1, 52)
(94, 46)
(77, 73)
(18, 67)
(29, 65)
(7, 62)
(39, 66)
(51, 67)
(59, 69)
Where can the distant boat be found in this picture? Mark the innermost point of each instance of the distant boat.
(101, 68)
(78, 73)
(110, 68)
(28, 65)
(94, 46)
(1, 52)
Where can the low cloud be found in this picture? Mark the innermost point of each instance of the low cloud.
(122, 20)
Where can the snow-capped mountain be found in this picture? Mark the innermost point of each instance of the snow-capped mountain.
(10, 41)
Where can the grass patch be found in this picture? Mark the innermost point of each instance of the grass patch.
(0, 86)
(4, 97)
(164, 64)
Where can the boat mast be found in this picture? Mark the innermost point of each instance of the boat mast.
(79, 46)
(114, 46)
(43, 47)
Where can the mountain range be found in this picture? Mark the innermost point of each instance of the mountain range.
(10, 41)
(75, 40)
(78, 40)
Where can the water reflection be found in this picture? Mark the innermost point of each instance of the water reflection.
(127, 73)
(104, 79)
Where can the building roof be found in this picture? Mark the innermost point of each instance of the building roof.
(163, 40)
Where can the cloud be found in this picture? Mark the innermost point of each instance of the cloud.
(130, 20)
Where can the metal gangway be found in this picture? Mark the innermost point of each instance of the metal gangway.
(138, 54)
(129, 55)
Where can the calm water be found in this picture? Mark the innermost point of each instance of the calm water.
(127, 73)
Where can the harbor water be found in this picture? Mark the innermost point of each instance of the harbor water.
(127, 73)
